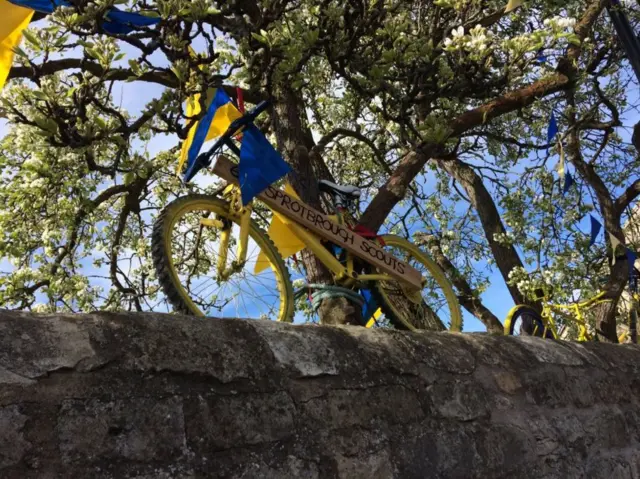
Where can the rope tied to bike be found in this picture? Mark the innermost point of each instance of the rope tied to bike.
(328, 291)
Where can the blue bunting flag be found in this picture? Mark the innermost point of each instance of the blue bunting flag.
(260, 164)
(370, 305)
(631, 259)
(116, 21)
(552, 130)
(596, 226)
(568, 182)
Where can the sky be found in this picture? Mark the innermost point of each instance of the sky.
(134, 96)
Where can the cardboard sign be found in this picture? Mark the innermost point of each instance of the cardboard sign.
(322, 226)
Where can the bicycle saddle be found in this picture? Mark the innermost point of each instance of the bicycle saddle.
(347, 191)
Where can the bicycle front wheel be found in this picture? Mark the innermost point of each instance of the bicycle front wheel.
(436, 307)
(188, 238)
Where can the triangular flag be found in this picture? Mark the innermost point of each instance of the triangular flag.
(552, 129)
(370, 306)
(595, 230)
(260, 164)
(512, 5)
(615, 242)
(631, 259)
(560, 165)
(14, 20)
(568, 182)
(119, 22)
(372, 322)
(282, 236)
(220, 113)
(42, 6)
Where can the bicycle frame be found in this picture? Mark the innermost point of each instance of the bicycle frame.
(345, 276)
(305, 227)
(574, 313)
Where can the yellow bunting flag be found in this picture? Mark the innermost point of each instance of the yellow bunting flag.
(221, 112)
(560, 165)
(193, 108)
(282, 236)
(14, 20)
(372, 322)
(615, 242)
(285, 240)
(512, 5)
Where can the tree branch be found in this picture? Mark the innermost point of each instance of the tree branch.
(625, 199)
(164, 78)
(329, 137)
(467, 298)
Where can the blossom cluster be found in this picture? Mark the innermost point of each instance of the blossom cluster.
(476, 42)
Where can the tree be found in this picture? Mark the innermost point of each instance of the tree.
(429, 106)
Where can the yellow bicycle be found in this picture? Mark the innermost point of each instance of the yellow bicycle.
(524, 320)
(213, 259)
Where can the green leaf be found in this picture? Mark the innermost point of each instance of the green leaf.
(176, 71)
(128, 178)
(31, 38)
(94, 53)
(101, 123)
(260, 38)
(20, 52)
(574, 39)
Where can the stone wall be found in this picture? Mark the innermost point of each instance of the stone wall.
(154, 396)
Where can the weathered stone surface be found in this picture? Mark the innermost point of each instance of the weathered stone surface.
(12, 442)
(159, 396)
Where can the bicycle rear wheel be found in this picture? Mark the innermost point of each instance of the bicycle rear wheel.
(436, 307)
(186, 251)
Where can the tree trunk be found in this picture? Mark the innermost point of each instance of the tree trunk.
(294, 139)
(606, 312)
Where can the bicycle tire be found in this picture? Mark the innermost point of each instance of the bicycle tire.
(401, 311)
(169, 277)
(532, 323)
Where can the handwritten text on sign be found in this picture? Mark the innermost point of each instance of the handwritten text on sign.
(318, 223)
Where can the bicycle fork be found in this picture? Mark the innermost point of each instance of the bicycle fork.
(225, 227)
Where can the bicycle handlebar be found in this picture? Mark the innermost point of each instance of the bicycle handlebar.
(204, 159)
